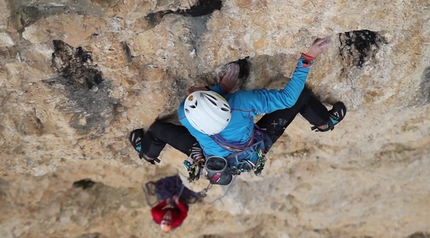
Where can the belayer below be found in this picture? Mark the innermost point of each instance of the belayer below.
(172, 198)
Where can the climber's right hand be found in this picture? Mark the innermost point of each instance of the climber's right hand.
(319, 45)
(231, 77)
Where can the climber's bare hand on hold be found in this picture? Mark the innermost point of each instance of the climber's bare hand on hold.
(319, 46)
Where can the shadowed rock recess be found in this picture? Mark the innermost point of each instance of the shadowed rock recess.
(26, 12)
(357, 47)
(90, 103)
(201, 8)
(425, 85)
(76, 77)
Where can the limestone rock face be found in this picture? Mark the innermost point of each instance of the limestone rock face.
(76, 77)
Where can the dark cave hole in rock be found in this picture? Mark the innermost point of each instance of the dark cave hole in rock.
(357, 47)
(201, 8)
(75, 65)
(84, 184)
(90, 102)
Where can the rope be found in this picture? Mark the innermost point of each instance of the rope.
(147, 195)
(219, 198)
(182, 188)
(205, 190)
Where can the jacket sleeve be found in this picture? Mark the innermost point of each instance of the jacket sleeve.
(157, 212)
(181, 206)
(262, 101)
(181, 216)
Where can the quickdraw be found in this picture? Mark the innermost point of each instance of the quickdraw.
(194, 170)
(251, 157)
(260, 162)
(248, 165)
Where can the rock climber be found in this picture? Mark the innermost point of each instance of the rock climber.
(220, 124)
(224, 124)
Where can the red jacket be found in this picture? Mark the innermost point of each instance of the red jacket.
(177, 218)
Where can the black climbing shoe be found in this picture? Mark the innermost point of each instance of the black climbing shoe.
(136, 138)
(337, 113)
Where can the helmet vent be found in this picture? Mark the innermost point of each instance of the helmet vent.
(224, 109)
(208, 95)
(194, 106)
(212, 101)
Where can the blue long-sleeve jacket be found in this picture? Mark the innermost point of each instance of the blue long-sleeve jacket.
(247, 104)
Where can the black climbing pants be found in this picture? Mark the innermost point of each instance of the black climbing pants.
(274, 124)
(308, 105)
(161, 133)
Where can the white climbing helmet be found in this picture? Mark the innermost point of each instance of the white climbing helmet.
(207, 111)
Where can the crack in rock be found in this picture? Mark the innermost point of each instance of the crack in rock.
(91, 235)
(201, 8)
(84, 184)
(24, 12)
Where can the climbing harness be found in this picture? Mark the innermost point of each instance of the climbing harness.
(249, 156)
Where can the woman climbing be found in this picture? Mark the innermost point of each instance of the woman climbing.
(220, 124)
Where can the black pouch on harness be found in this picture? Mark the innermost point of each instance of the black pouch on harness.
(218, 171)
